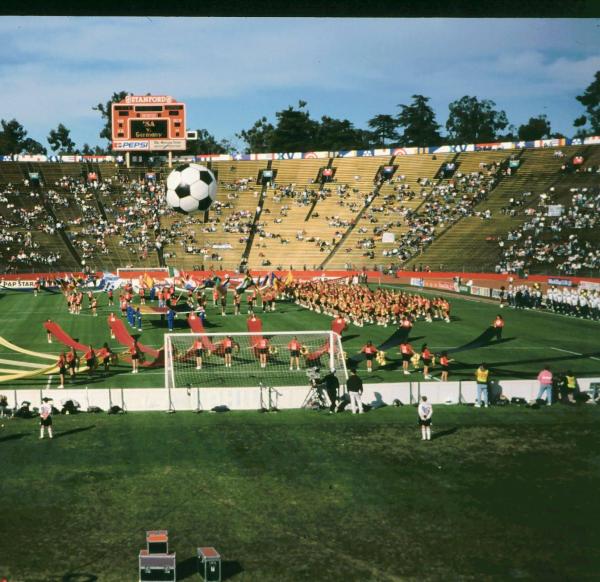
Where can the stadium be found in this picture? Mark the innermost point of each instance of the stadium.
(183, 334)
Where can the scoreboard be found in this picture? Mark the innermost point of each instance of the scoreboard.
(148, 123)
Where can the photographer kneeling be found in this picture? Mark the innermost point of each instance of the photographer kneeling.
(332, 385)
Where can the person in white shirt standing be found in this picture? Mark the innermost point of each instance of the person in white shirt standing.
(46, 417)
(425, 412)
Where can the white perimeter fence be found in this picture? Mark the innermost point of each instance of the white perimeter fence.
(148, 399)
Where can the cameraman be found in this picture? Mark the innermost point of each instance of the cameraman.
(332, 385)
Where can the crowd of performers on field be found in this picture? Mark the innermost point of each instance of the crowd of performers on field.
(359, 304)
(346, 303)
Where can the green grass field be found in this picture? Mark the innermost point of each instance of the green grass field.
(531, 339)
(498, 494)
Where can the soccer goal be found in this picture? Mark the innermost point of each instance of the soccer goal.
(213, 360)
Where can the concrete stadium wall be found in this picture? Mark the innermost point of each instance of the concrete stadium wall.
(156, 399)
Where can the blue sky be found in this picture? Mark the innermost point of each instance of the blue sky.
(231, 71)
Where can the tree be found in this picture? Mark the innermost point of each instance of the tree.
(384, 127)
(14, 140)
(106, 113)
(258, 137)
(591, 101)
(60, 140)
(340, 134)
(207, 144)
(510, 134)
(536, 128)
(418, 121)
(474, 121)
(12, 137)
(31, 146)
(295, 130)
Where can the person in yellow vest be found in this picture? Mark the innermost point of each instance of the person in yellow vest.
(482, 377)
(571, 381)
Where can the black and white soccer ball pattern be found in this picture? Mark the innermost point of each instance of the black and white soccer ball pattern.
(191, 188)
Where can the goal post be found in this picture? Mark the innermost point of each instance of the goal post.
(239, 360)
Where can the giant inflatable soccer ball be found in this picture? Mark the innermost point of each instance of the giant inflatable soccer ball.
(190, 188)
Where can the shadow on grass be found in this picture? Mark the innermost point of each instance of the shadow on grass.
(76, 577)
(499, 369)
(189, 569)
(74, 431)
(444, 433)
(230, 568)
(177, 324)
(13, 437)
(485, 339)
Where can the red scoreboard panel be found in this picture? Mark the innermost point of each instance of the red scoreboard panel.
(148, 123)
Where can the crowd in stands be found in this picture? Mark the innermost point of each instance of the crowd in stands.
(135, 208)
(17, 224)
(443, 204)
(132, 211)
(239, 221)
(302, 197)
(555, 240)
(351, 199)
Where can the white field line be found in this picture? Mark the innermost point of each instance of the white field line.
(49, 383)
(567, 351)
(492, 346)
(575, 353)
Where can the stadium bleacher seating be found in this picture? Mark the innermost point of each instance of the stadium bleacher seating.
(472, 243)
(302, 222)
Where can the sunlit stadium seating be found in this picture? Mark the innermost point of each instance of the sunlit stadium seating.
(472, 243)
(410, 170)
(303, 223)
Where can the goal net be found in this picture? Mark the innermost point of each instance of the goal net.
(215, 360)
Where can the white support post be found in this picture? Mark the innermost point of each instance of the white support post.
(169, 371)
(331, 351)
(342, 358)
